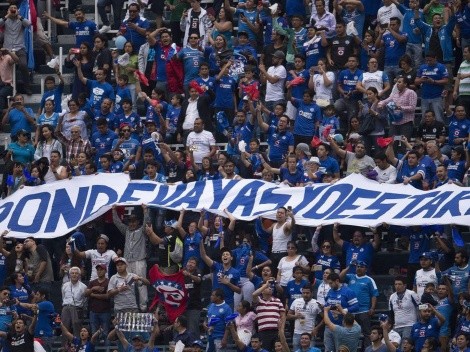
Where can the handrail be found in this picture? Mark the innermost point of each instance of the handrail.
(13, 80)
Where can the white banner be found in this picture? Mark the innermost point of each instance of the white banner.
(55, 209)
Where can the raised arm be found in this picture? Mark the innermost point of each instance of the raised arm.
(337, 236)
(153, 237)
(209, 262)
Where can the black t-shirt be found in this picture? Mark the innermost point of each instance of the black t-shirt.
(194, 292)
(20, 342)
(194, 23)
(341, 49)
(268, 52)
(435, 44)
(431, 132)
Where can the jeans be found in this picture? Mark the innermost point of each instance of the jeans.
(5, 91)
(102, 320)
(436, 105)
(363, 319)
(392, 73)
(193, 316)
(415, 51)
(214, 345)
(117, 9)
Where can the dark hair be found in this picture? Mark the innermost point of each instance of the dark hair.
(400, 278)
(333, 277)
(183, 321)
(5, 288)
(91, 165)
(245, 304)
(463, 254)
(378, 328)
(348, 318)
(49, 78)
(89, 53)
(136, 5)
(103, 38)
(395, 19)
(407, 59)
(57, 152)
(306, 333)
(49, 127)
(380, 156)
(72, 100)
(101, 121)
(299, 56)
(126, 100)
(107, 156)
(373, 90)
(124, 77)
(219, 293)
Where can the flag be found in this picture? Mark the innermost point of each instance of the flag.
(457, 237)
(382, 142)
(170, 291)
(28, 11)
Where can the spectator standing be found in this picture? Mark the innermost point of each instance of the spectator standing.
(427, 325)
(323, 18)
(270, 312)
(217, 311)
(121, 287)
(73, 301)
(135, 248)
(192, 281)
(274, 78)
(366, 291)
(14, 27)
(19, 117)
(403, 305)
(394, 41)
(347, 334)
(134, 28)
(304, 311)
(84, 29)
(357, 162)
(100, 255)
(38, 263)
(200, 143)
(99, 304)
(7, 61)
(462, 82)
(405, 102)
(195, 21)
(458, 129)
(432, 76)
(340, 48)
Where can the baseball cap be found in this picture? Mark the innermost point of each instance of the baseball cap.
(362, 263)
(101, 266)
(279, 54)
(314, 159)
(459, 149)
(304, 148)
(121, 259)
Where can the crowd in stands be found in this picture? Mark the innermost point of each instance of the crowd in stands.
(330, 87)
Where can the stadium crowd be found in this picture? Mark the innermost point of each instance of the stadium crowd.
(330, 87)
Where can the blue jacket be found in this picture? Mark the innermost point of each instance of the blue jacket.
(445, 37)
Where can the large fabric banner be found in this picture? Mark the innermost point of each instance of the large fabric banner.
(54, 209)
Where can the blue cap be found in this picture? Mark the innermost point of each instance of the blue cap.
(362, 263)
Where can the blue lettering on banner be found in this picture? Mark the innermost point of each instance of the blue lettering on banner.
(348, 203)
(127, 196)
(221, 192)
(431, 207)
(97, 191)
(343, 190)
(309, 195)
(245, 198)
(191, 198)
(380, 205)
(178, 191)
(5, 210)
(62, 206)
(417, 199)
(453, 206)
(39, 216)
(276, 199)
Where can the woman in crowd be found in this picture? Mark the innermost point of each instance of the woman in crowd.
(207, 170)
(245, 322)
(85, 56)
(46, 142)
(322, 82)
(70, 259)
(370, 110)
(213, 232)
(287, 263)
(49, 117)
(324, 258)
(74, 117)
(22, 150)
(128, 67)
(223, 26)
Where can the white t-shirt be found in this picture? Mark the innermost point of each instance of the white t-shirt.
(389, 175)
(200, 144)
(404, 308)
(99, 258)
(285, 268)
(422, 278)
(386, 12)
(322, 91)
(275, 91)
(309, 311)
(322, 291)
(191, 115)
(373, 79)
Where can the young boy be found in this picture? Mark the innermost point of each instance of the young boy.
(122, 92)
(152, 169)
(248, 86)
(172, 115)
(118, 165)
(225, 87)
(52, 92)
(128, 117)
(297, 83)
(204, 80)
(329, 120)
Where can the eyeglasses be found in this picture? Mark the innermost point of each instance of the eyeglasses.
(326, 246)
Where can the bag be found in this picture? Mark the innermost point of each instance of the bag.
(367, 125)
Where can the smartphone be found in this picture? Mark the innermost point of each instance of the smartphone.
(397, 138)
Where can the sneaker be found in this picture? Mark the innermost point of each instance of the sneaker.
(105, 29)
